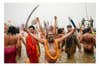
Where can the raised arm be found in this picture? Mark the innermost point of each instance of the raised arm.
(40, 27)
(66, 35)
(34, 36)
(55, 25)
(18, 45)
(41, 40)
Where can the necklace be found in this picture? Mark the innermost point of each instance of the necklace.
(48, 52)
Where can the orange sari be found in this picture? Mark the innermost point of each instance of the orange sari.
(31, 48)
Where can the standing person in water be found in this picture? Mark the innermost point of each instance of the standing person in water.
(12, 42)
(31, 46)
(71, 43)
(51, 44)
(88, 42)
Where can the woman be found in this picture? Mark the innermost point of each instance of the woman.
(12, 42)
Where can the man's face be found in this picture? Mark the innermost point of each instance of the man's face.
(50, 37)
(31, 30)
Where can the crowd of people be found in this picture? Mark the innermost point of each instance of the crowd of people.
(54, 39)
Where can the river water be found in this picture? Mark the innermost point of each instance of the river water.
(78, 58)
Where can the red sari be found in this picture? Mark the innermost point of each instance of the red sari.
(31, 47)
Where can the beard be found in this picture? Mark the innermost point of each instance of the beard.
(50, 39)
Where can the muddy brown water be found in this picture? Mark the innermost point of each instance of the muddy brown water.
(78, 58)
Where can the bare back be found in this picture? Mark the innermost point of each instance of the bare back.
(10, 40)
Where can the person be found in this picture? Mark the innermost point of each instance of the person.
(31, 46)
(51, 45)
(61, 32)
(88, 42)
(22, 50)
(11, 44)
(19, 51)
(71, 43)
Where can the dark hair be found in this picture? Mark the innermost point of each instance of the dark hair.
(69, 26)
(17, 30)
(32, 27)
(86, 30)
(12, 30)
(60, 30)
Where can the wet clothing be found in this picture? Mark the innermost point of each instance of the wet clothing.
(70, 45)
(10, 54)
(31, 47)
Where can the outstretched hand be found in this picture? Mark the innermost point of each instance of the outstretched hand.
(37, 19)
(55, 17)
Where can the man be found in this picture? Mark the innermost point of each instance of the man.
(51, 45)
(70, 44)
(88, 42)
(12, 42)
(31, 46)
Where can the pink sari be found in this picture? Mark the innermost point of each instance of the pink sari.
(10, 54)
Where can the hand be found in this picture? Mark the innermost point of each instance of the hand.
(74, 29)
(69, 18)
(55, 17)
(37, 19)
(34, 21)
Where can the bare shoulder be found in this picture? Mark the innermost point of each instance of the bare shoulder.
(5, 36)
(18, 36)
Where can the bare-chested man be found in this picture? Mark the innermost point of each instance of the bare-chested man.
(51, 44)
(88, 42)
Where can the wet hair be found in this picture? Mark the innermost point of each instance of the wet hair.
(17, 30)
(86, 30)
(32, 27)
(60, 30)
(12, 30)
